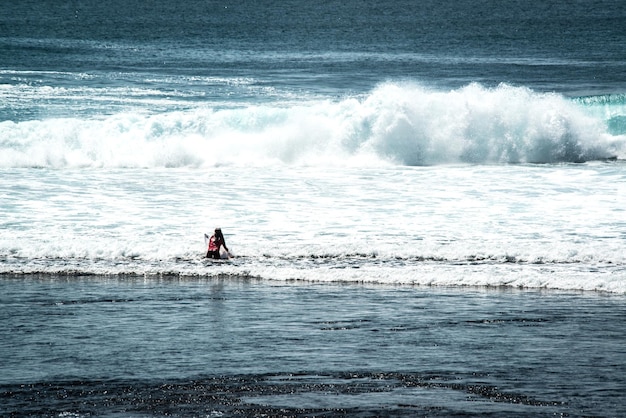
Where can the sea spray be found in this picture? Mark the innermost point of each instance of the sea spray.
(397, 123)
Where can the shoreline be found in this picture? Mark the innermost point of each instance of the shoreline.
(242, 278)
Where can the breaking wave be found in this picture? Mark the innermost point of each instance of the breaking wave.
(397, 123)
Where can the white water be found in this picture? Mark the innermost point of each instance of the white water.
(553, 226)
(397, 123)
(403, 184)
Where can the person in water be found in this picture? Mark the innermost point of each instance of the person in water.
(215, 242)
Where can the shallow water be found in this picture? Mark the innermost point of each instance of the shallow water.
(189, 347)
(543, 226)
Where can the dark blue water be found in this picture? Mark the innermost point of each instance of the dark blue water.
(573, 47)
(134, 347)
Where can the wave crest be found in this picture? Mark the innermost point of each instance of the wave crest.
(397, 123)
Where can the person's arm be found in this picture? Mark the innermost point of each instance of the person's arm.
(223, 242)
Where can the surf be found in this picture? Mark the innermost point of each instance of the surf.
(398, 123)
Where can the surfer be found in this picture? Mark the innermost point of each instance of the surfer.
(215, 242)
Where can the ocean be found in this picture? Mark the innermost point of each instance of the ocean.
(425, 204)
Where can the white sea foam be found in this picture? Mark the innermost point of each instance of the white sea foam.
(403, 185)
(395, 124)
(552, 226)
